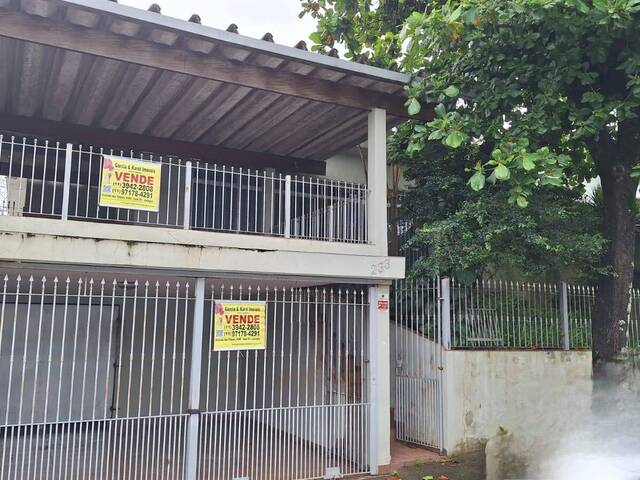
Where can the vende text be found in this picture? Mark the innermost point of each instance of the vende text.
(242, 318)
(134, 178)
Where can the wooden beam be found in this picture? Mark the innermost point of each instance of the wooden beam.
(142, 52)
(99, 137)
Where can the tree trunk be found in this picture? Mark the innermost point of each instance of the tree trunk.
(393, 214)
(613, 297)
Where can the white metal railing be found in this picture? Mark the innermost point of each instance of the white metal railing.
(498, 314)
(99, 375)
(579, 308)
(343, 219)
(31, 176)
(41, 178)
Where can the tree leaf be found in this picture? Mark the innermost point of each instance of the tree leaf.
(522, 201)
(316, 37)
(528, 163)
(455, 14)
(436, 135)
(476, 182)
(413, 106)
(454, 139)
(502, 172)
(452, 91)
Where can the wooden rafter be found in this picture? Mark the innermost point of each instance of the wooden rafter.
(20, 26)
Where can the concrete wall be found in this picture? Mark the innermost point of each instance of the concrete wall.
(531, 394)
(69, 242)
(349, 167)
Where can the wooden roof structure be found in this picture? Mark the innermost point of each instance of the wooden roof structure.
(102, 72)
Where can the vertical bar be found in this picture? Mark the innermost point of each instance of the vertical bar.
(67, 181)
(287, 206)
(191, 454)
(564, 309)
(186, 221)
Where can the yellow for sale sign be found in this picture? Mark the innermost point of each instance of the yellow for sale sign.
(129, 183)
(239, 325)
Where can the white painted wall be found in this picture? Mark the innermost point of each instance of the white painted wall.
(532, 394)
(71, 373)
(69, 242)
(349, 167)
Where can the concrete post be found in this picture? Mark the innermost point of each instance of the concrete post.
(186, 221)
(379, 378)
(191, 456)
(564, 310)
(445, 312)
(66, 186)
(377, 179)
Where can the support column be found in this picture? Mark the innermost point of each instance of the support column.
(377, 180)
(191, 456)
(379, 378)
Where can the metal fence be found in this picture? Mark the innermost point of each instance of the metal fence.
(117, 379)
(42, 178)
(498, 314)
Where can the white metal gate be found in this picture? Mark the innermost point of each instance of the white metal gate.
(418, 357)
(97, 374)
(94, 375)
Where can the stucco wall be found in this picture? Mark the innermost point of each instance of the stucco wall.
(530, 394)
(349, 167)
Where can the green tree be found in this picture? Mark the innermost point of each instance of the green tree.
(471, 234)
(547, 90)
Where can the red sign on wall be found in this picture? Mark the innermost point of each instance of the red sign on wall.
(383, 302)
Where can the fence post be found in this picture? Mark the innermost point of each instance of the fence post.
(445, 311)
(287, 206)
(193, 410)
(66, 186)
(564, 310)
(186, 223)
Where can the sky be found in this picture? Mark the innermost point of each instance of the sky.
(253, 17)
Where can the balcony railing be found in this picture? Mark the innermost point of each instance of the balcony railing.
(50, 179)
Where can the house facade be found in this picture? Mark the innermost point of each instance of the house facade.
(185, 292)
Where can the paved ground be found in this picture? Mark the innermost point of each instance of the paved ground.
(469, 466)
